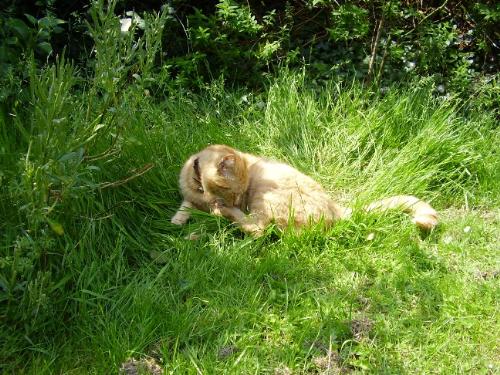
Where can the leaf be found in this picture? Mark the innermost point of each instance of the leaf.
(43, 35)
(98, 126)
(56, 227)
(46, 22)
(57, 30)
(44, 47)
(69, 156)
(30, 18)
(12, 41)
(73, 155)
(22, 30)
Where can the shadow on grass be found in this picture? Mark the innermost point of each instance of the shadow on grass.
(275, 300)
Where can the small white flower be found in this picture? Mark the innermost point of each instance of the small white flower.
(467, 229)
(440, 89)
(125, 24)
(141, 24)
(447, 240)
(384, 90)
(411, 65)
(370, 237)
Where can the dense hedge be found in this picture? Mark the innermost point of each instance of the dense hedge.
(380, 41)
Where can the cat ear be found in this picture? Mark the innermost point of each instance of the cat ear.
(227, 165)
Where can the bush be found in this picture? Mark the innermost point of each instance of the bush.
(242, 42)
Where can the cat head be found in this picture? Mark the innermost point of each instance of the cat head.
(223, 174)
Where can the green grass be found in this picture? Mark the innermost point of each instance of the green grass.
(122, 282)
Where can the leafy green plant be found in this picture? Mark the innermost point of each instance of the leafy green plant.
(19, 38)
(35, 35)
(349, 22)
(242, 43)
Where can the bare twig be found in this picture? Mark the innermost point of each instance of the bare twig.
(374, 52)
(137, 173)
(109, 152)
(426, 17)
(381, 67)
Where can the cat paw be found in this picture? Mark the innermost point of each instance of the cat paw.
(217, 207)
(179, 218)
(254, 230)
(226, 212)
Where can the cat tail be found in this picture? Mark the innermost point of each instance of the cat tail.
(424, 216)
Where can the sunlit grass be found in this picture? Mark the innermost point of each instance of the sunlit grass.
(373, 292)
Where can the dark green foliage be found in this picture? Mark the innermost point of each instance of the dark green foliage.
(454, 42)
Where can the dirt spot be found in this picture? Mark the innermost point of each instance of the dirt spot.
(361, 327)
(330, 364)
(487, 275)
(227, 351)
(364, 301)
(283, 370)
(140, 366)
(192, 236)
(489, 215)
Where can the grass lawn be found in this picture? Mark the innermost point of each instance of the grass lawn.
(92, 272)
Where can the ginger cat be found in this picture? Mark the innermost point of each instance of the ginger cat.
(253, 192)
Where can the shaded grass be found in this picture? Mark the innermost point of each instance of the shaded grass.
(122, 281)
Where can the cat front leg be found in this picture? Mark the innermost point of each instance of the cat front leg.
(248, 224)
(182, 215)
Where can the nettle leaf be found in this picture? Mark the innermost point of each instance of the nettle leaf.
(43, 35)
(57, 30)
(44, 47)
(22, 30)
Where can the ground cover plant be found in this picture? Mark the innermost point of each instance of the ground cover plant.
(93, 274)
